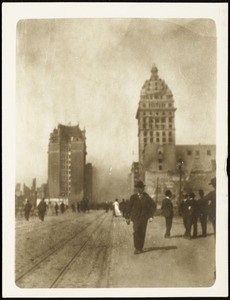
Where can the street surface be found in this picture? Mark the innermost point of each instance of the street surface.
(95, 250)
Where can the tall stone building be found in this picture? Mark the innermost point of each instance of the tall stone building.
(89, 182)
(66, 163)
(155, 115)
(161, 161)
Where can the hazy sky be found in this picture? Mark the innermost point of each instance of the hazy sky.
(90, 71)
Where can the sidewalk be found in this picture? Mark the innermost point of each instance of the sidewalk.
(174, 262)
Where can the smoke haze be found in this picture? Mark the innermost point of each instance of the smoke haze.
(90, 71)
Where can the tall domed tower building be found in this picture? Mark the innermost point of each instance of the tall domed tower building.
(156, 125)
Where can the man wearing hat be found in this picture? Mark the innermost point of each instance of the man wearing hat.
(167, 211)
(211, 199)
(203, 212)
(182, 209)
(140, 209)
(190, 210)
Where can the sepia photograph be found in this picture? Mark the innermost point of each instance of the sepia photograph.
(119, 151)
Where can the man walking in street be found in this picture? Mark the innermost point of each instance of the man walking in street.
(28, 207)
(141, 209)
(211, 198)
(56, 208)
(203, 212)
(42, 209)
(190, 210)
(167, 211)
(182, 210)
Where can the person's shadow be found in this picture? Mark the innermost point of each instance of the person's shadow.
(198, 236)
(159, 248)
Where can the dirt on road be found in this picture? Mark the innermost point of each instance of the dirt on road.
(95, 250)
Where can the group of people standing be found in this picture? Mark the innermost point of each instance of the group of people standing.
(141, 209)
(193, 210)
(42, 209)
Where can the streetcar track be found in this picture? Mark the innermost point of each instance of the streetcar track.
(106, 249)
(76, 255)
(55, 249)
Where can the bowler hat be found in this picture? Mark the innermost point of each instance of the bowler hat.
(139, 184)
(192, 195)
(168, 193)
(213, 181)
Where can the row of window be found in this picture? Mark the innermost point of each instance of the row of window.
(197, 152)
(157, 140)
(155, 105)
(163, 113)
(164, 133)
(157, 120)
(157, 127)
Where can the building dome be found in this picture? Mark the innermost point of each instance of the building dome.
(154, 70)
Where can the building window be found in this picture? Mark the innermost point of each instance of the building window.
(158, 134)
(160, 160)
(158, 140)
(160, 167)
(170, 133)
(163, 120)
(209, 152)
(145, 133)
(164, 140)
(163, 133)
(170, 126)
(170, 139)
(145, 140)
(151, 133)
(189, 152)
(197, 152)
(151, 140)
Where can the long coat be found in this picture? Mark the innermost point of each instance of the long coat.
(167, 208)
(141, 208)
(190, 208)
(211, 199)
(42, 207)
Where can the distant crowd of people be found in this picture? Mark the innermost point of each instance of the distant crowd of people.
(42, 207)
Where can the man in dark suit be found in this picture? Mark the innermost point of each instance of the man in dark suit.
(167, 211)
(190, 210)
(203, 212)
(42, 209)
(28, 208)
(182, 209)
(211, 199)
(140, 209)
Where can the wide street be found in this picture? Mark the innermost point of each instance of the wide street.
(95, 250)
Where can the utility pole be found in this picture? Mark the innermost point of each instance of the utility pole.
(179, 166)
(157, 191)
